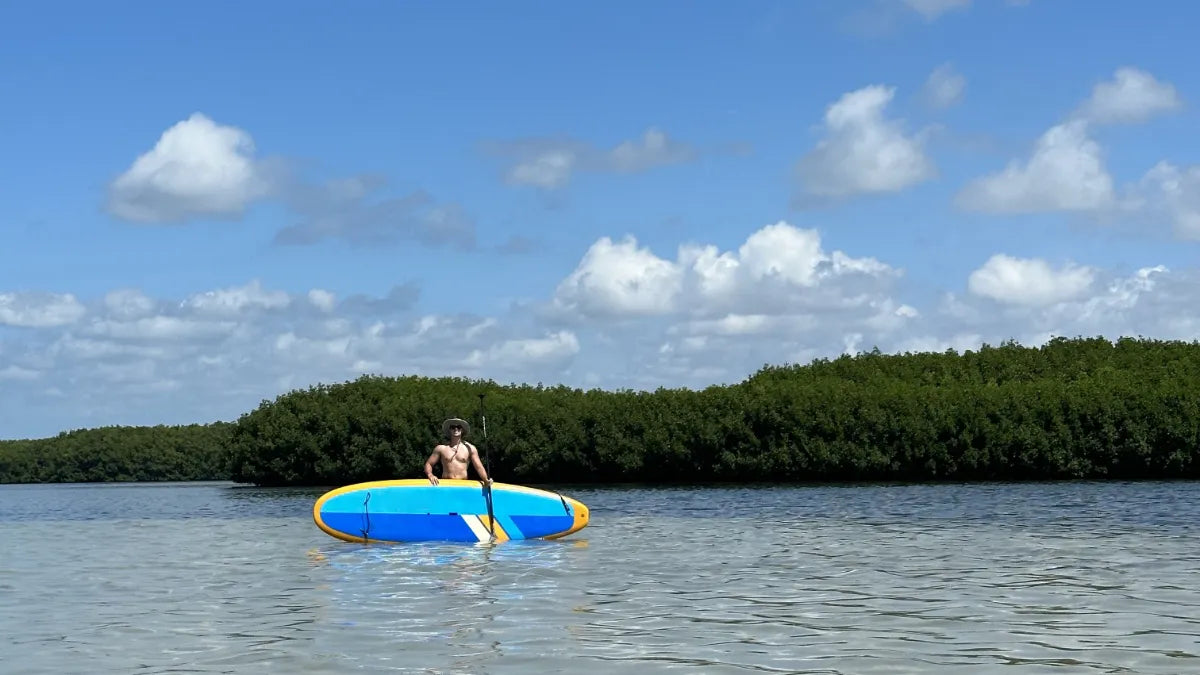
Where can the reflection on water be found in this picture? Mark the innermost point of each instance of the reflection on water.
(1064, 578)
(429, 599)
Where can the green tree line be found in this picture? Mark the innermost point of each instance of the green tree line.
(120, 453)
(1072, 408)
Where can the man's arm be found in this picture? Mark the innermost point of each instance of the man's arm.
(483, 474)
(433, 459)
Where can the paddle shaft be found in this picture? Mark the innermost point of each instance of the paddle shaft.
(487, 461)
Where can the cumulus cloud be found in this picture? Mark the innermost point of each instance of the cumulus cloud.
(30, 309)
(548, 168)
(708, 315)
(557, 348)
(1152, 301)
(944, 87)
(777, 266)
(159, 327)
(862, 151)
(652, 150)
(620, 279)
(202, 169)
(322, 299)
(1171, 192)
(1065, 172)
(128, 303)
(550, 163)
(1131, 96)
(1030, 282)
(780, 268)
(624, 317)
(198, 168)
(236, 300)
(400, 298)
(130, 358)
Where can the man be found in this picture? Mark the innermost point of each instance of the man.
(455, 454)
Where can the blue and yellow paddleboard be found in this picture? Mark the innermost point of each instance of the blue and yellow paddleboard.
(413, 509)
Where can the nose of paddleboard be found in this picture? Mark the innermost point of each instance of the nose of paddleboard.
(582, 516)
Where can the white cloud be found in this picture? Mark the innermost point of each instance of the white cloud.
(39, 310)
(739, 324)
(197, 168)
(944, 87)
(862, 151)
(1066, 172)
(160, 328)
(932, 9)
(703, 316)
(619, 278)
(236, 300)
(1030, 282)
(652, 150)
(1132, 96)
(202, 169)
(71, 346)
(128, 303)
(548, 169)
(1153, 301)
(18, 373)
(554, 349)
(783, 252)
(550, 163)
(960, 342)
(1171, 193)
(218, 353)
(778, 268)
(322, 299)
(717, 315)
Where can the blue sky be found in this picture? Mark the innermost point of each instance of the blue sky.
(207, 205)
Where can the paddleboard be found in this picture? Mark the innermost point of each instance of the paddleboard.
(413, 509)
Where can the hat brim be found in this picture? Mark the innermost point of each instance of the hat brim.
(454, 420)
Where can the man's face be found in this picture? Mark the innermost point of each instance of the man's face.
(455, 430)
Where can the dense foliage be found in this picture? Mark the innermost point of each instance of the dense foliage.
(1086, 408)
(161, 453)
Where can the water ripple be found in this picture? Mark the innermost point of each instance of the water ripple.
(1069, 578)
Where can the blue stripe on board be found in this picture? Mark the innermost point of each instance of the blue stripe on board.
(509, 526)
(540, 526)
(402, 527)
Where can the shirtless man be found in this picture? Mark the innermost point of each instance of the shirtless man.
(455, 454)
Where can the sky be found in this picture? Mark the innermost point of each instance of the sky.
(206, 205)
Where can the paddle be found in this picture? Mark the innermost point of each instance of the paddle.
(487, 463)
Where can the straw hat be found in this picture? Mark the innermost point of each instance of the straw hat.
(454, 420)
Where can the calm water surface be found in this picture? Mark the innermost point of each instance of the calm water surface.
(1058, 578)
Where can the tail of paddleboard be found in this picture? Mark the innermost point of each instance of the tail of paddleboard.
(412, 510)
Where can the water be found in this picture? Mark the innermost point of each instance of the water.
(1055, 578)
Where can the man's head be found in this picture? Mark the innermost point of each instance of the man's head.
(455, 427)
